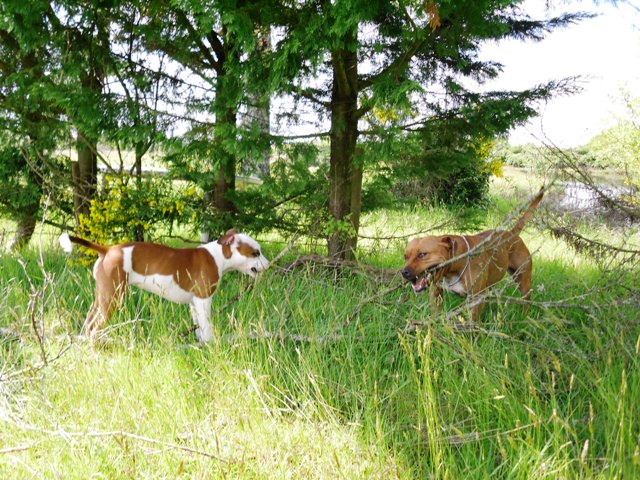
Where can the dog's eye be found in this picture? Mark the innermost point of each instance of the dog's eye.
(256, 253)
(421, 255)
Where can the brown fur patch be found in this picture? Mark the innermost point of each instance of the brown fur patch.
(226, 240)
(193, 269)
(247, 250)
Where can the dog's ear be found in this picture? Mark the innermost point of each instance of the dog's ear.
(448, 242)
(227, 238)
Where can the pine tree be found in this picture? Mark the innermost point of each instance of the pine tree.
(405, 60)
(208, 40)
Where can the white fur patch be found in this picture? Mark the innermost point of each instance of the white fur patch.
(162, 285)
(457, 287)
(65, 242)
(127, 264)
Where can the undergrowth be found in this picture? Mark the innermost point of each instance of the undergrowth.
(320, 373)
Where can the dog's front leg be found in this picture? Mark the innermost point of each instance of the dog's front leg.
(435, 299)
(201, 314)
(476, 309)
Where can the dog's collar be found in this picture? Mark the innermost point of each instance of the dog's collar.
(466, 265)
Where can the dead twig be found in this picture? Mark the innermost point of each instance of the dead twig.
(408, 235)
(581, 243)
(20, 448)
(122, 434)
(36, 368)
(34, 295)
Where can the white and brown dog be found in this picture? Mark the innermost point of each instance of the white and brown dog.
(182, 275)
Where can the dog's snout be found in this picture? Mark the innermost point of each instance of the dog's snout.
(254, 269)
(406, 272)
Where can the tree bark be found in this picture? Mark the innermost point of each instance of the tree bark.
(261, 112)
(345, 179)
(87, 174)
(140, 151)
(25, 229)
(224, 180)
(356, 204)
(87, 146)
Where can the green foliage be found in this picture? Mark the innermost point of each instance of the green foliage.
(291, 199)
(468, 186)
(619, 146)
(18, 189)
(123, 73)
(23, 180)
(30, 128)
(412, 51)
(426, 169)
(527, 155)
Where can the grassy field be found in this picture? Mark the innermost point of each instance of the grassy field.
(316, 373)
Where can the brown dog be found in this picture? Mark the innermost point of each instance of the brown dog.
(431, 261)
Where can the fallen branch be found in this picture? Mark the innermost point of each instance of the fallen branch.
(468, 437)
(286, 337)
(119, 433)
(386, 273)
(37, 367)
(581, 243)
(408, 235)
(21, 448)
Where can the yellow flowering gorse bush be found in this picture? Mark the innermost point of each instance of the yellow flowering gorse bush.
(125, 210)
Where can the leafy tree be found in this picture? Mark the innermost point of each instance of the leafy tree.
(619, 146)
(134, 94)
(210, 41)
(81, 34)
(390, 73)
(30, 125)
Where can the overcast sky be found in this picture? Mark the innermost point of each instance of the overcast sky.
(605, 50)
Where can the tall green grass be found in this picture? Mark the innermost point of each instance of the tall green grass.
(318, 373)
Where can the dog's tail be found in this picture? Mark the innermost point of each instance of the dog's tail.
(528, 213)
(67, 240)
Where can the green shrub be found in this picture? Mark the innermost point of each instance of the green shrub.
(125, 210)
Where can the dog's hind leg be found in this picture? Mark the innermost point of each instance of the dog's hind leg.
(110, 287)
(522, 276)
(476, 309)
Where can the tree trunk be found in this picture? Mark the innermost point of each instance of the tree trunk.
(345, 179)
(87, 174)
(223, 183)
(224, 180)
(356, 203)
(261, 111)
(87, 140)
(25, 229)
(140, 151)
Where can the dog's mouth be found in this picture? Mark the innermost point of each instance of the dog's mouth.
(421, 283)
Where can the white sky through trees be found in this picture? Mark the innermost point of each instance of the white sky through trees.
(604, 50)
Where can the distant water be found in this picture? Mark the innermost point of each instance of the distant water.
(578, 196)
